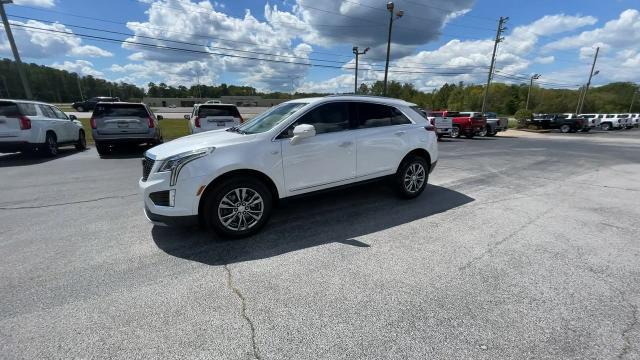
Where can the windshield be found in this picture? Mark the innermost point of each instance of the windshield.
(271, 118)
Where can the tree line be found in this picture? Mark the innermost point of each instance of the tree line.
(60, 86)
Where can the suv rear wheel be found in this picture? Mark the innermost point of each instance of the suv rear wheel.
(412, 177)
(238, 207)
(103, 149)
(50, 146)
(455, 131)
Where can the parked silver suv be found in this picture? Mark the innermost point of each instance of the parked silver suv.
(124, 123)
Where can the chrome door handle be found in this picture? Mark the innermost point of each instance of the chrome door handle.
(400, 133)
(346, 144)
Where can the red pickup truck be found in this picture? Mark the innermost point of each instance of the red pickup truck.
(468, 124)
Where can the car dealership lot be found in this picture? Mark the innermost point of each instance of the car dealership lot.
(524, 246)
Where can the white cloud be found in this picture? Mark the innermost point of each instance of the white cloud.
(38, 3)
(80, 67)
(545, 59)
(39, 44)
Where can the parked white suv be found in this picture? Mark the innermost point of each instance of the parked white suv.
(229, 179)
(594, 120)
(612, 121)
(31, 125)
(207, 117)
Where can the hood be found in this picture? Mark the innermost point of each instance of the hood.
(207, 139)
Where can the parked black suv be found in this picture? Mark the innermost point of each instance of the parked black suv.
(565, 122)
(90, 104)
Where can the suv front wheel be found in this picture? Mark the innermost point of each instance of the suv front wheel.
(412, 177)
(238, 207)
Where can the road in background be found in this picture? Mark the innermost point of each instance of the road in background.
(523, 246)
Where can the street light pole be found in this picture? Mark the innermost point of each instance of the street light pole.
(390, 7)
(14, 49)
(534, 77)
(355, 51)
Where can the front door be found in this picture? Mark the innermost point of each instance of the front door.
(324, 160)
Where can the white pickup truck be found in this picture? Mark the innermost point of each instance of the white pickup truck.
(443, 121)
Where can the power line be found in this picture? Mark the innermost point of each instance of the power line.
(211, 53)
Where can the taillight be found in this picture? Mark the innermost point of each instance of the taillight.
(25, 123)
(151, 123)
(197, 121)
(93, 123)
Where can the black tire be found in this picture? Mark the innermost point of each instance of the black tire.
(565, 128)
(409, 172)
(81, 145)
(605, 127)
(80, 109)
(222, 203)
(103, 149)
(50, 146)
(455, 132)
(485, 131)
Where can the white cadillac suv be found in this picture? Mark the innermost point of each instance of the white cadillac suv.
(228, 180)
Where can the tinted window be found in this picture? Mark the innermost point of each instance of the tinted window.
(327, 118)
(47, 112)
(373, 115)
(59, 114)
(420, 111)
(28, 109)
(8, 109)
(120, 110)
(398, 118)
(213, 110)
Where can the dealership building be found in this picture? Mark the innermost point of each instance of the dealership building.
(245, 101)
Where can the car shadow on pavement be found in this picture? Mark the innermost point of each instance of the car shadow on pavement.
(32, 158)
(126, 152)
(334, 217)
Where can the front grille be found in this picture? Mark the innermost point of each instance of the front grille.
(161, 198)
(147, 165)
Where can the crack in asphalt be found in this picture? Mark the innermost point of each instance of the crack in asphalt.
(625, 333)
(68, 203)
(495, 245)
(243, 311)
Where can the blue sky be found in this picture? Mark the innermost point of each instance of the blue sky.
(436, 41)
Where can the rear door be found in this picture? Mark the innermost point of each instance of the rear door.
(113, 119)
(68, 127)
(9, 120)
(382, 136)
(49, 120)
(215, 117)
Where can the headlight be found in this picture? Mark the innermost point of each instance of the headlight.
(177, 162)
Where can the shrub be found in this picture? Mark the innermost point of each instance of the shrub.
(522, 116)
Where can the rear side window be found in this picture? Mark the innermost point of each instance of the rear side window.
(8, 109)
(373, 115)
(59, 114)
(420, 111)
(213, 110)
(120, 110)
(47, 112)
(398, 118)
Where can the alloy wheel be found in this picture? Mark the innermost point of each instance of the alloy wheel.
(240, 209)
(414, 177)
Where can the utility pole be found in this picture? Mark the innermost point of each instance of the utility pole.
(633, 99)
(390, 7)
(579, 99)
(80, 87)
(593, 66)
(499, 39)
(534, 77)
(14, 49)
(355, 51)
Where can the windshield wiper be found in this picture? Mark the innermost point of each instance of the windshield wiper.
(236, 129)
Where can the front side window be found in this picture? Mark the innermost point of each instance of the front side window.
(326, 118)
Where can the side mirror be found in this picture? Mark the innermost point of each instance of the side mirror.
(159, 117)
(302, 131)
(187, 117)
(73, 117)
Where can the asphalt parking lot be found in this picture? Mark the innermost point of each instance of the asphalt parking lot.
(524, 246)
